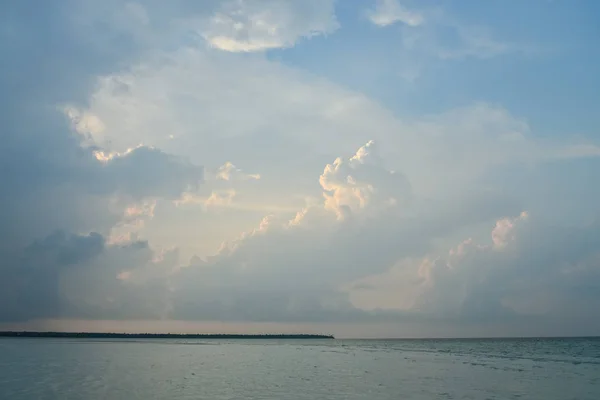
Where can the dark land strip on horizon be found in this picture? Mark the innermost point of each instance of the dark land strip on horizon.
(100, 335)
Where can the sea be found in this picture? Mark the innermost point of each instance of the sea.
(90, 369)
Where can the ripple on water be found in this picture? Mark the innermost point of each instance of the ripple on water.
(275, 370)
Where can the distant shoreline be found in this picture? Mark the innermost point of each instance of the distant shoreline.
(100, 335)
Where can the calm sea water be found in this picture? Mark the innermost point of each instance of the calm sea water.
(558, 369)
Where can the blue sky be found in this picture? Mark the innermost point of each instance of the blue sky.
(367, 168)
(552, 66)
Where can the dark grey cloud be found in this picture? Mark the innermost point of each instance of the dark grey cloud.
(79, 276)
(31, 279)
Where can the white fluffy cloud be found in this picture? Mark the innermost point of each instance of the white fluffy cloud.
(388, 12)
(227, 25)
(211, 109)
(353, 184)
(257, 25)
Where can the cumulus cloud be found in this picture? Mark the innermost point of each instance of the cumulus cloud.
(222, 188)
(354, 183)
(86, 124)
(296, 267)
(388, 12)
(257, 25)
(288, 267)
(110, 139)
(317, 267)
(304, 126)
(527, 270)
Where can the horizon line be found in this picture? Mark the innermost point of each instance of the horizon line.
(84, 334)
(90, 334)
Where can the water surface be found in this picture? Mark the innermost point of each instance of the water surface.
(556, 369)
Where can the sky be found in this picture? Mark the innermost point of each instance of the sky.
(366, 168)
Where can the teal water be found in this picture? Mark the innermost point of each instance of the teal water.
(551, 369)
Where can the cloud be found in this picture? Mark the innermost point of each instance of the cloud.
(84, 123)
(220, 199)
(221, 190)
(503, 234)
(30, 288)
(53, 178)
(316, 267)
(256, 25)
(75, 276)
(216, 199)
(354, 183)
(228, 25)
(455, 40)
(529, 271)
(209, 108)
(295, 268)
(147, 172)
(183, 103)
(355, 207)
(388, 12)
(379, 263)
(229, 172)
(434, 33)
